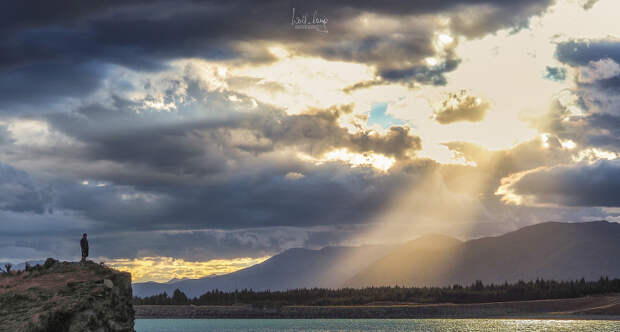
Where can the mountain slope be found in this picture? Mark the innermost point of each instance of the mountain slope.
(401, 267)
(329, 267)
(549, 250)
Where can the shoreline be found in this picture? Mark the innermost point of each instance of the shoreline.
(584, 308)
(544, 317)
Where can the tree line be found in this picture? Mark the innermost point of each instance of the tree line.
(474, 293)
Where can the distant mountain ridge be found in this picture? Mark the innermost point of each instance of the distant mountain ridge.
(294, 268)
(550, 250)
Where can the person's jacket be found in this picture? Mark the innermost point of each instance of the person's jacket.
(84, 244)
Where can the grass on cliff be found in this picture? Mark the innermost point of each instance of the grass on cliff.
(49, 297)
(54, 266)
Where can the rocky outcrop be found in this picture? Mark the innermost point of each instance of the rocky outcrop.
(65, 296)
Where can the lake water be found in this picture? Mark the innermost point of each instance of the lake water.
(388, 325)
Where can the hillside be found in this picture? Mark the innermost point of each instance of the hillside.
(64, 296)
(393, 269)
(329, 267)
(552, 250)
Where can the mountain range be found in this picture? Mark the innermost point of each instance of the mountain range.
(551, 250)
(294, 268)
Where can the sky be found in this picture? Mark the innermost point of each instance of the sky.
(192, 138)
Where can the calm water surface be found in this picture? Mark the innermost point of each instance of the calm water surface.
(388, 325)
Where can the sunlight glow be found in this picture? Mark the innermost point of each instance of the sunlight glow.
(568, 144)
(368, 159)
(508, 196)
(593, 155)
(375, 160)
(431, 61)
(445, 39)
(545, 140)
(163, 269)
(159, 105)
(297, 83)
(279, 52)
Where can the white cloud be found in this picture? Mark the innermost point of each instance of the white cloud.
(598, 70)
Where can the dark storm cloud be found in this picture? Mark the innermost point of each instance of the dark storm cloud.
(182, 189)
(327, 195)
(207, 130)
(20, 193)
(581, 52)
(591, 118)
(494, 15)
(595, 128)
(422, 74)
(212, 163)
(524, 156)
(330, 194)
(595, 184)
(256, 215)
(603, 131)
(219, 244)
(47, 84)
(167, 145)
(609, 85)
(5, 135)
(598, 63)
(318, 131)
(136, 34)
(492, 166)
(71, 11)
(124, 29)
(50, 49)
(461, 106)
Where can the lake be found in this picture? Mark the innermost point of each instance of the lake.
(388, 325)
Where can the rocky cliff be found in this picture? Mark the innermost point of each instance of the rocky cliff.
(65, 296)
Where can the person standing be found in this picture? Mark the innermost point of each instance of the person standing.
(84, 246)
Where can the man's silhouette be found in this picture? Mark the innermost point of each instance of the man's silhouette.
(84, 245)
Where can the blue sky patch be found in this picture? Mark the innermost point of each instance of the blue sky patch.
(555, 74)
(378, 115)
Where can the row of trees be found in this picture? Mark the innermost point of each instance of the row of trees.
(475, 293)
